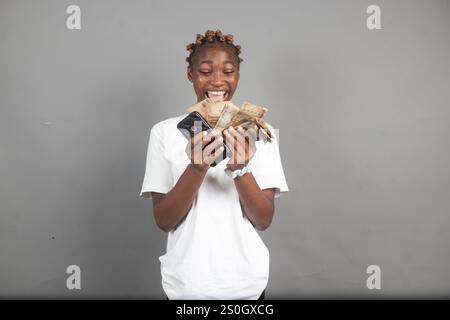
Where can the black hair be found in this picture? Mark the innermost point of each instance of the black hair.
(212, 38)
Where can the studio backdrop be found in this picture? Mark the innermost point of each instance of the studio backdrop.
(359, 91)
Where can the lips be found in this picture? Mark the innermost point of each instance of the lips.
(216, 95)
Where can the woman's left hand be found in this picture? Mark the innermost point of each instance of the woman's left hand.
(242, 145)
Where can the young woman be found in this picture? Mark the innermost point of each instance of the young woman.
(211, 216)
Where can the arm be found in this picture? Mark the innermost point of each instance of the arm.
(258, 205)
(169, 209)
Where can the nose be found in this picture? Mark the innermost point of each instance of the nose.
(217, 78)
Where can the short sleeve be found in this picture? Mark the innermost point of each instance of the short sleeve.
(267, 167)
(158, 175)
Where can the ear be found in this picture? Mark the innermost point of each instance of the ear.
(189, 74)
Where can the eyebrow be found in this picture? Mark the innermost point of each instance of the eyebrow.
(210, 61)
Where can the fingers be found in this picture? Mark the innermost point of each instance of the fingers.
(206, 147)
(236, 142)
(200, 140)
(252, 142)
(240, 138)
(198, 137)
(250, 134)
(208, 155)
(213, 145)
(194, 140)
(212, 157)
(200, 148)
(213, 134)
(233, 137)
(242, 143)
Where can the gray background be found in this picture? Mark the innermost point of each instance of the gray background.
(363, 118)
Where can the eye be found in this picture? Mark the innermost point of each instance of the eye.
(228, 71)
(204, 71)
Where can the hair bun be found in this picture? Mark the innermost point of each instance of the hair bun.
(212, 37)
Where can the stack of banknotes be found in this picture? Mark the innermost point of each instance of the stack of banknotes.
(224, 114)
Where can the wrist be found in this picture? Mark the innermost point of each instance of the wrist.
(198, 168)
(238, 171)
(233, 167)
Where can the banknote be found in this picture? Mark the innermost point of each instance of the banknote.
(221, 115)
(209, 110)
(227, 114)
(248, 111)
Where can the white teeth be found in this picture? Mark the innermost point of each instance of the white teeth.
(216, 93)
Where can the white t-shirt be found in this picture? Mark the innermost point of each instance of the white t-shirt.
(215, 253)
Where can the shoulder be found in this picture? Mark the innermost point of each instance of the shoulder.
(169, 123)
(167, 126)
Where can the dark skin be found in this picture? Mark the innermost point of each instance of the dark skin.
(215, 68)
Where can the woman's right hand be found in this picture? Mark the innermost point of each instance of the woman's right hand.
(201, 157)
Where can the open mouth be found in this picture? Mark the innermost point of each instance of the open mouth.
(217, 96)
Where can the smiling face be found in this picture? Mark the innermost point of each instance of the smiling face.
(214, 73)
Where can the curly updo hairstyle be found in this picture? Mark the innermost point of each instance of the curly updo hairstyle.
(212, 38)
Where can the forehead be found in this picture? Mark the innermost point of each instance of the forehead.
(216, 55)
